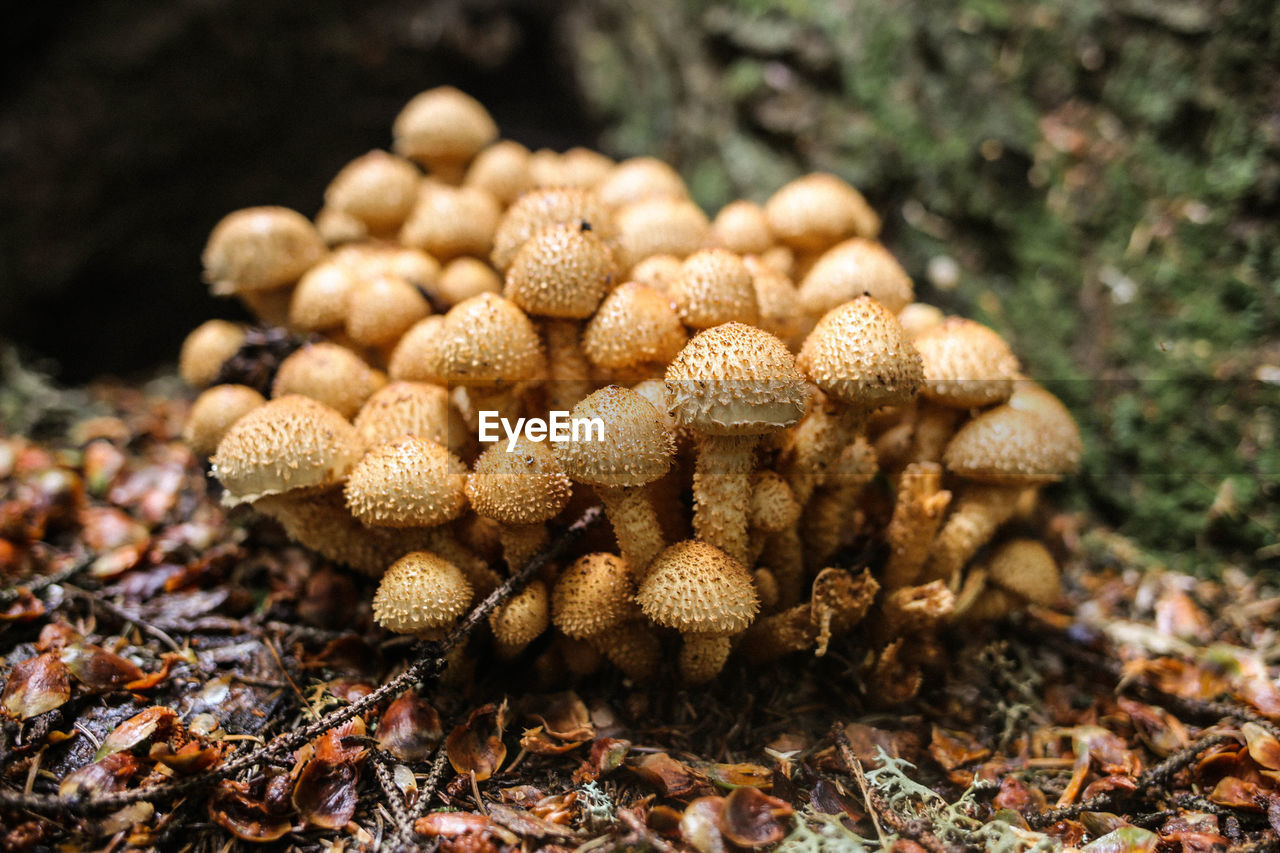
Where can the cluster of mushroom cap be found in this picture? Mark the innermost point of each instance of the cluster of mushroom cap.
(762, 368)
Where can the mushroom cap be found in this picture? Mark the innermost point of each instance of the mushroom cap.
(523, 617)
(420, 592)
(1008, 446)
(714, 287)
(858, 354)
(742, 227)
(698, 589)
(377, 188)
(336, 227)
(213, 413)
(291, 442)
(1029, 396)
(918, 317)
(659, 226)
(502, 169)
(966, 364)
(639, 178)
(320, 300)
(487, 340)
(404, 408)
(852, 268)
(814, 211)
(442, 124)
(578, 167)
(368, 260)
(206, 348)
(525, 485)
(464, 277)
(330, 373)
(381, 309)
(259, 248)
(542, 208)
(1025, 568)
(634, 324)
(773, 506)
(561, 271)
(407, 482)
(655, 391)
(857, 464)
(776, 297)
(414, 356)
(657, 271)
(637, 446)
(592, 596)
(449, 221)
(735, 379)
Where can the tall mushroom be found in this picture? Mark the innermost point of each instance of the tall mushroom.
(592, 601)
(521, 489)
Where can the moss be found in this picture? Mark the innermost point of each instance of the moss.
(1106, 176)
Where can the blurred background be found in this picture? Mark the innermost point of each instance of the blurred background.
(1098, 182)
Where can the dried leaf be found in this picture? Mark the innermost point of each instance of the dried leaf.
(55, 636)
(36, 686)
(25, 607)
(325, 794)
(1127, 839)
(190, 758)
(107, 776)
(564, 717)
(525, 824)
(955, 749)
(606, 756)
(410, 728)
(752, 818)
(245, 817)
(98, 669)
(476, 746)
(733, 776)
(1161, 731)
(827, 798)
(157, 721)
(537, 741)
(671, 778)
(1109, 783)
(1264, 748)
(1236, 793)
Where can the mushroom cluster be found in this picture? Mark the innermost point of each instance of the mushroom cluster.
(768, 394)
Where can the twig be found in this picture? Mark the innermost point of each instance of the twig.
(427, 664)
(9, 593)
(403, 837)
(382, 768)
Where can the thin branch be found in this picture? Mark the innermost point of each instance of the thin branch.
(10, 593)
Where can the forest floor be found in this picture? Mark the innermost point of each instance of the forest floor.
(179, 676)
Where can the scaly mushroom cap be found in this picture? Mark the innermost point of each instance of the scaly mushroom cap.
(561, 271)
(640, 178)
(487, 340)
(777, 298)
(592, 596)
(260, 248)
(637, 445)
(735, 379)
(442, 125)
(369, 260)
(408, 482)
(421, 592)
(414, 357)
(1028, 396)
(543, 208)
(633, 324)
(657, 271)
(463, 278)
(525, 485)
(851, 269)
(523, 617)
(376, 188)
(858, 354)
(918, 317)
(659, 226)
(698, 589)
(655, 391)
(450, 221)
(1025, 568)
(742, 227)
(965, 364)
(1008, 446)
(330, 373)
(714, 287)
(773, 506)
(815, 211)
(291, 442)
(857, 464)
(578, 167)
(380, 310)
(320, 300)
(404, 408)
(502, 169)
(206, 349)
(213, 413)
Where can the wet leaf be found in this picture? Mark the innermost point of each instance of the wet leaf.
(537, 741)
(672, 778)
(24, 608)
(525, 824)
(190, 758)
(245, 817)
(107, 776)
(1236, 793)
(1128, 839)
(955, 749)
(410, 728)
(700, 825)
(476, 746)
(98, 669)
(752, 818)
(157, 721)
(325, 794)
(1264, 748)
(36, 686)
(732, 776)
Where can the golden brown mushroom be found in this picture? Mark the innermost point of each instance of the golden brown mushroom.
(592, 601)
(206, 349)
(521, 488)
(443, 129)
(213, 413)
(260, 248)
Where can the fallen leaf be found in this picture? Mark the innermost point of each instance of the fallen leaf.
(564, 716)
(157, 721)
(36, 686)
(476, 746)
(955, 749)
(25, 607)
(605, 757)
(672, 778)
(107, 776)
(410, 728)
(98, 669)
(526, 824)
(1263, 746)
(751, 818)
(245, 817)
(1127, 839)
(733, 776)
(700, 825)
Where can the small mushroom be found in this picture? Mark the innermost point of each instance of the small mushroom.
(421, 594)
(404, 408)
(206, 349)
(816, 211)
(329, 373)
(414, 356)
(635, 332)
(443, 128)
(640, 178)
(543, 208)
(260, 248)
(577, 168)
(714, 287)
(377, 188)
(520, 488)
(463, 278)
(918, 511)
(831, 518)
(450, 221)
(1018, 572)
(502, 169)
(213, 413)
(521, 619)
(592, 601)
(659, 226)
(742, 227)
(853, 268)
(407, 482)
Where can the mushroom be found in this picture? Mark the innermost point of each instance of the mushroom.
(442, 129)
(634, 333)
(450, 221)
(520, 488)
(917, 317)
(213, 413)
(966, 366)
(657, 271)
(592, 601)
(1000, 452)
(707, 596)
(502, 169)
(579, 168)
(742, 227)
(860, 360)
(714, 287)
(520, 620)
(634, 450)
(260, 248)
(777, 299)
(407, 482)
(381, 309)
(414, 356)
(206, 349)
(421, 594)
(774, 516)
(831, 518)
(1020, 571)
(659, 226)
(463, 278)
(640, 178)
(731, 384)
(918, 510)
(330, 373)
(377, 189)
(323, 294)
(815, 211)
(543, 208)
(855, 267)
(404, 408)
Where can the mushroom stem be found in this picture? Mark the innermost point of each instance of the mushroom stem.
(520, 542)
(784, 555)
(770, 638)
(635, 525)
(722, 492)
(917, 514)
(570, 372)
(935, 424)
(702, 657)
(817, 444)
(979, 512)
